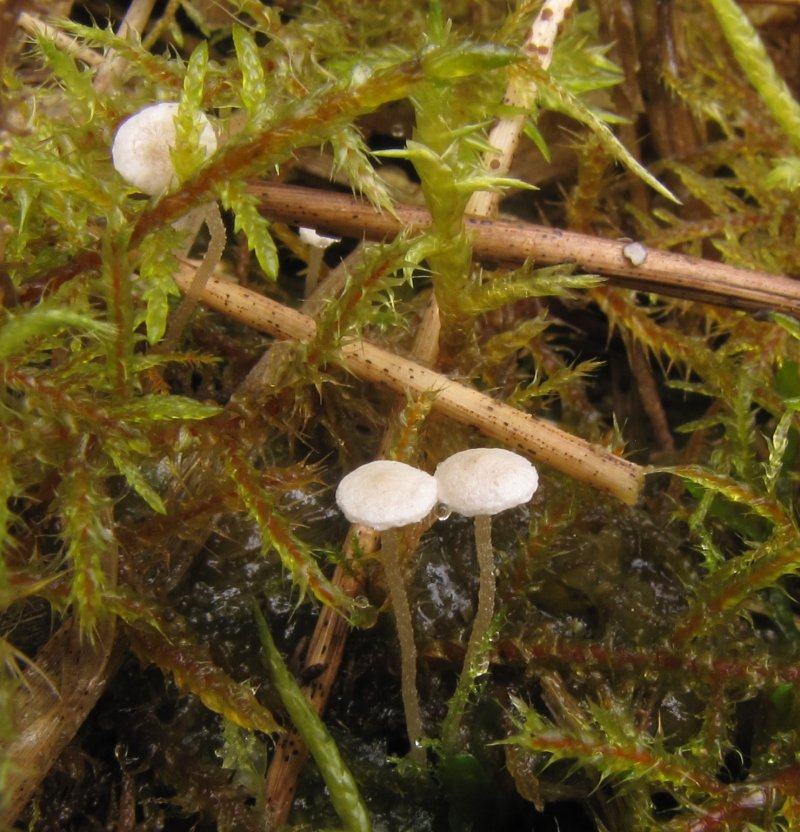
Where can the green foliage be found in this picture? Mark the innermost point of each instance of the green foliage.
(644, 663)
(254, 84)
(341, 785)
(754, 60)
(187, 155)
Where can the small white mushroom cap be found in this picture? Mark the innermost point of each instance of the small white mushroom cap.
(310, 237)
(142, 144)
(386, 495)
(485, 481)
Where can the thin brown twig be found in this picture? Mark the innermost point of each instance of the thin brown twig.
(114, 65)
(512, 243)
(537, 438)
(34, 25)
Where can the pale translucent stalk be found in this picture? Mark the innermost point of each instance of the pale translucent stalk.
(476, 660)
(408, 646)
(213, 255)
(313, 270)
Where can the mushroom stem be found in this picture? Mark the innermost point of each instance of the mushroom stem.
(405, 635)
(476, 660)
(313, 270)
(216, 247)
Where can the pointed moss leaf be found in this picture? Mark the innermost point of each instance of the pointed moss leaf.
(194, 79)
(556, 97)
(85, 513)
(534, 134)
(41, 321)
(499, 347)
(131, 471)
(779, 445)
(555, 281)
(465, 59)
(413, 151)
(158, 266)
(188, 155)
(248, 219)
(73, 178)
(754, 59)
(157, 408)
(188, 658)
(731, 490)
(488, 182)
(77, 83)
(254, 84)
(784, 174)
(350, 156)
(579, 66)
(278, 536)
(342, 787)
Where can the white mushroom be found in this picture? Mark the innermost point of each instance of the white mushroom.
(142, 145)
(310, 237)
(479, 483)
(318, 243)
(141, 154)
(386, 495)
(485, 481)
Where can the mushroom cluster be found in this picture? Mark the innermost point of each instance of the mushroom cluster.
(387, 495)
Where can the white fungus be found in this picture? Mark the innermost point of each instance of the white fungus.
(142, 144)
(484, 481)
(141, 155)
(386, 495)
(478, 483)
(636, 253)
(318, 243)
(310, 237)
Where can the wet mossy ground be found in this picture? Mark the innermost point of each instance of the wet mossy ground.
(643, 670)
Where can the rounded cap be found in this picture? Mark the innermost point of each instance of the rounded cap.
(386, 495)
(485, 481)
(141, 147)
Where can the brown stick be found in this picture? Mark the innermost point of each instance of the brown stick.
(543, 441)
(512, 243)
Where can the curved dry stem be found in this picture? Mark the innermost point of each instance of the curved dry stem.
(408, 646)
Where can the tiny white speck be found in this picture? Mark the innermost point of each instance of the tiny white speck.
(636, 253)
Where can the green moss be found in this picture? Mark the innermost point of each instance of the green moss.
(644, 661)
